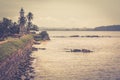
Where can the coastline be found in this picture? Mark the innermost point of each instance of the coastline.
(10, 63)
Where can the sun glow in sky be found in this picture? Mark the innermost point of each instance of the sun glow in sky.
(65, 13)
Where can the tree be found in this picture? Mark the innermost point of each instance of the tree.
(29, 17)
(1, 31)
(14, 29)
(5, 27)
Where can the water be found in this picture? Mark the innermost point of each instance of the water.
(55, 63)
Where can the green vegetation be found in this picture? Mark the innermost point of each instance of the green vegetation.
(6, 49)
(29, 17)
(12, 33)
(23, 26)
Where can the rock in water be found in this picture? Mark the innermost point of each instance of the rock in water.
(78, 50)
(44, 35)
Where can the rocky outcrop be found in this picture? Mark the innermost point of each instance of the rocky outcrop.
(10, 67)
(44, 35)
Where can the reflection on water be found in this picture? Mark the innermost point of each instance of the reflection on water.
(56, 64)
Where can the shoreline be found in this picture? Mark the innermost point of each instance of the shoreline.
(10, 64)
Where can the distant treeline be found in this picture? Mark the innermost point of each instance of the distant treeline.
(101, 28)
(108, 28)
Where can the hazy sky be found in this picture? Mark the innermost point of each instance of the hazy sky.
(65, 13)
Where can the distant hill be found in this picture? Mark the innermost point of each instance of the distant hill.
(108, 28)
(101, 28)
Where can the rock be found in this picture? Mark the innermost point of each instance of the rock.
(92, 36)
(44, 35)
(78, 50)
(60, 36)
(75, 36)
(86, 51)
(42, 48)
(13, 67)
(34, 49)
(75, 50)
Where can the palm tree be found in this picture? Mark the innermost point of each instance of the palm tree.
(29, 17)
(14, 29)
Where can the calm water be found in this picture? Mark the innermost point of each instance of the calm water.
(56, 64)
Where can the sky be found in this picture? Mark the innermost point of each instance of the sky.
(64, 13)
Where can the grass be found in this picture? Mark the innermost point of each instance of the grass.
(13, 45)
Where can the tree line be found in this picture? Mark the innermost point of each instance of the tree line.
(10, 28)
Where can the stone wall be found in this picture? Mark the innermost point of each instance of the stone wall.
(10, 66)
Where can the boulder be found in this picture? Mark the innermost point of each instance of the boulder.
(75, 36)
(34, 49)
(44, 35)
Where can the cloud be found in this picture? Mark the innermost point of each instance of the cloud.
(65, 12)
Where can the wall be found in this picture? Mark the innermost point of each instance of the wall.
(9, 68)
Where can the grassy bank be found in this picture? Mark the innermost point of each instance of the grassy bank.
(13, 45)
